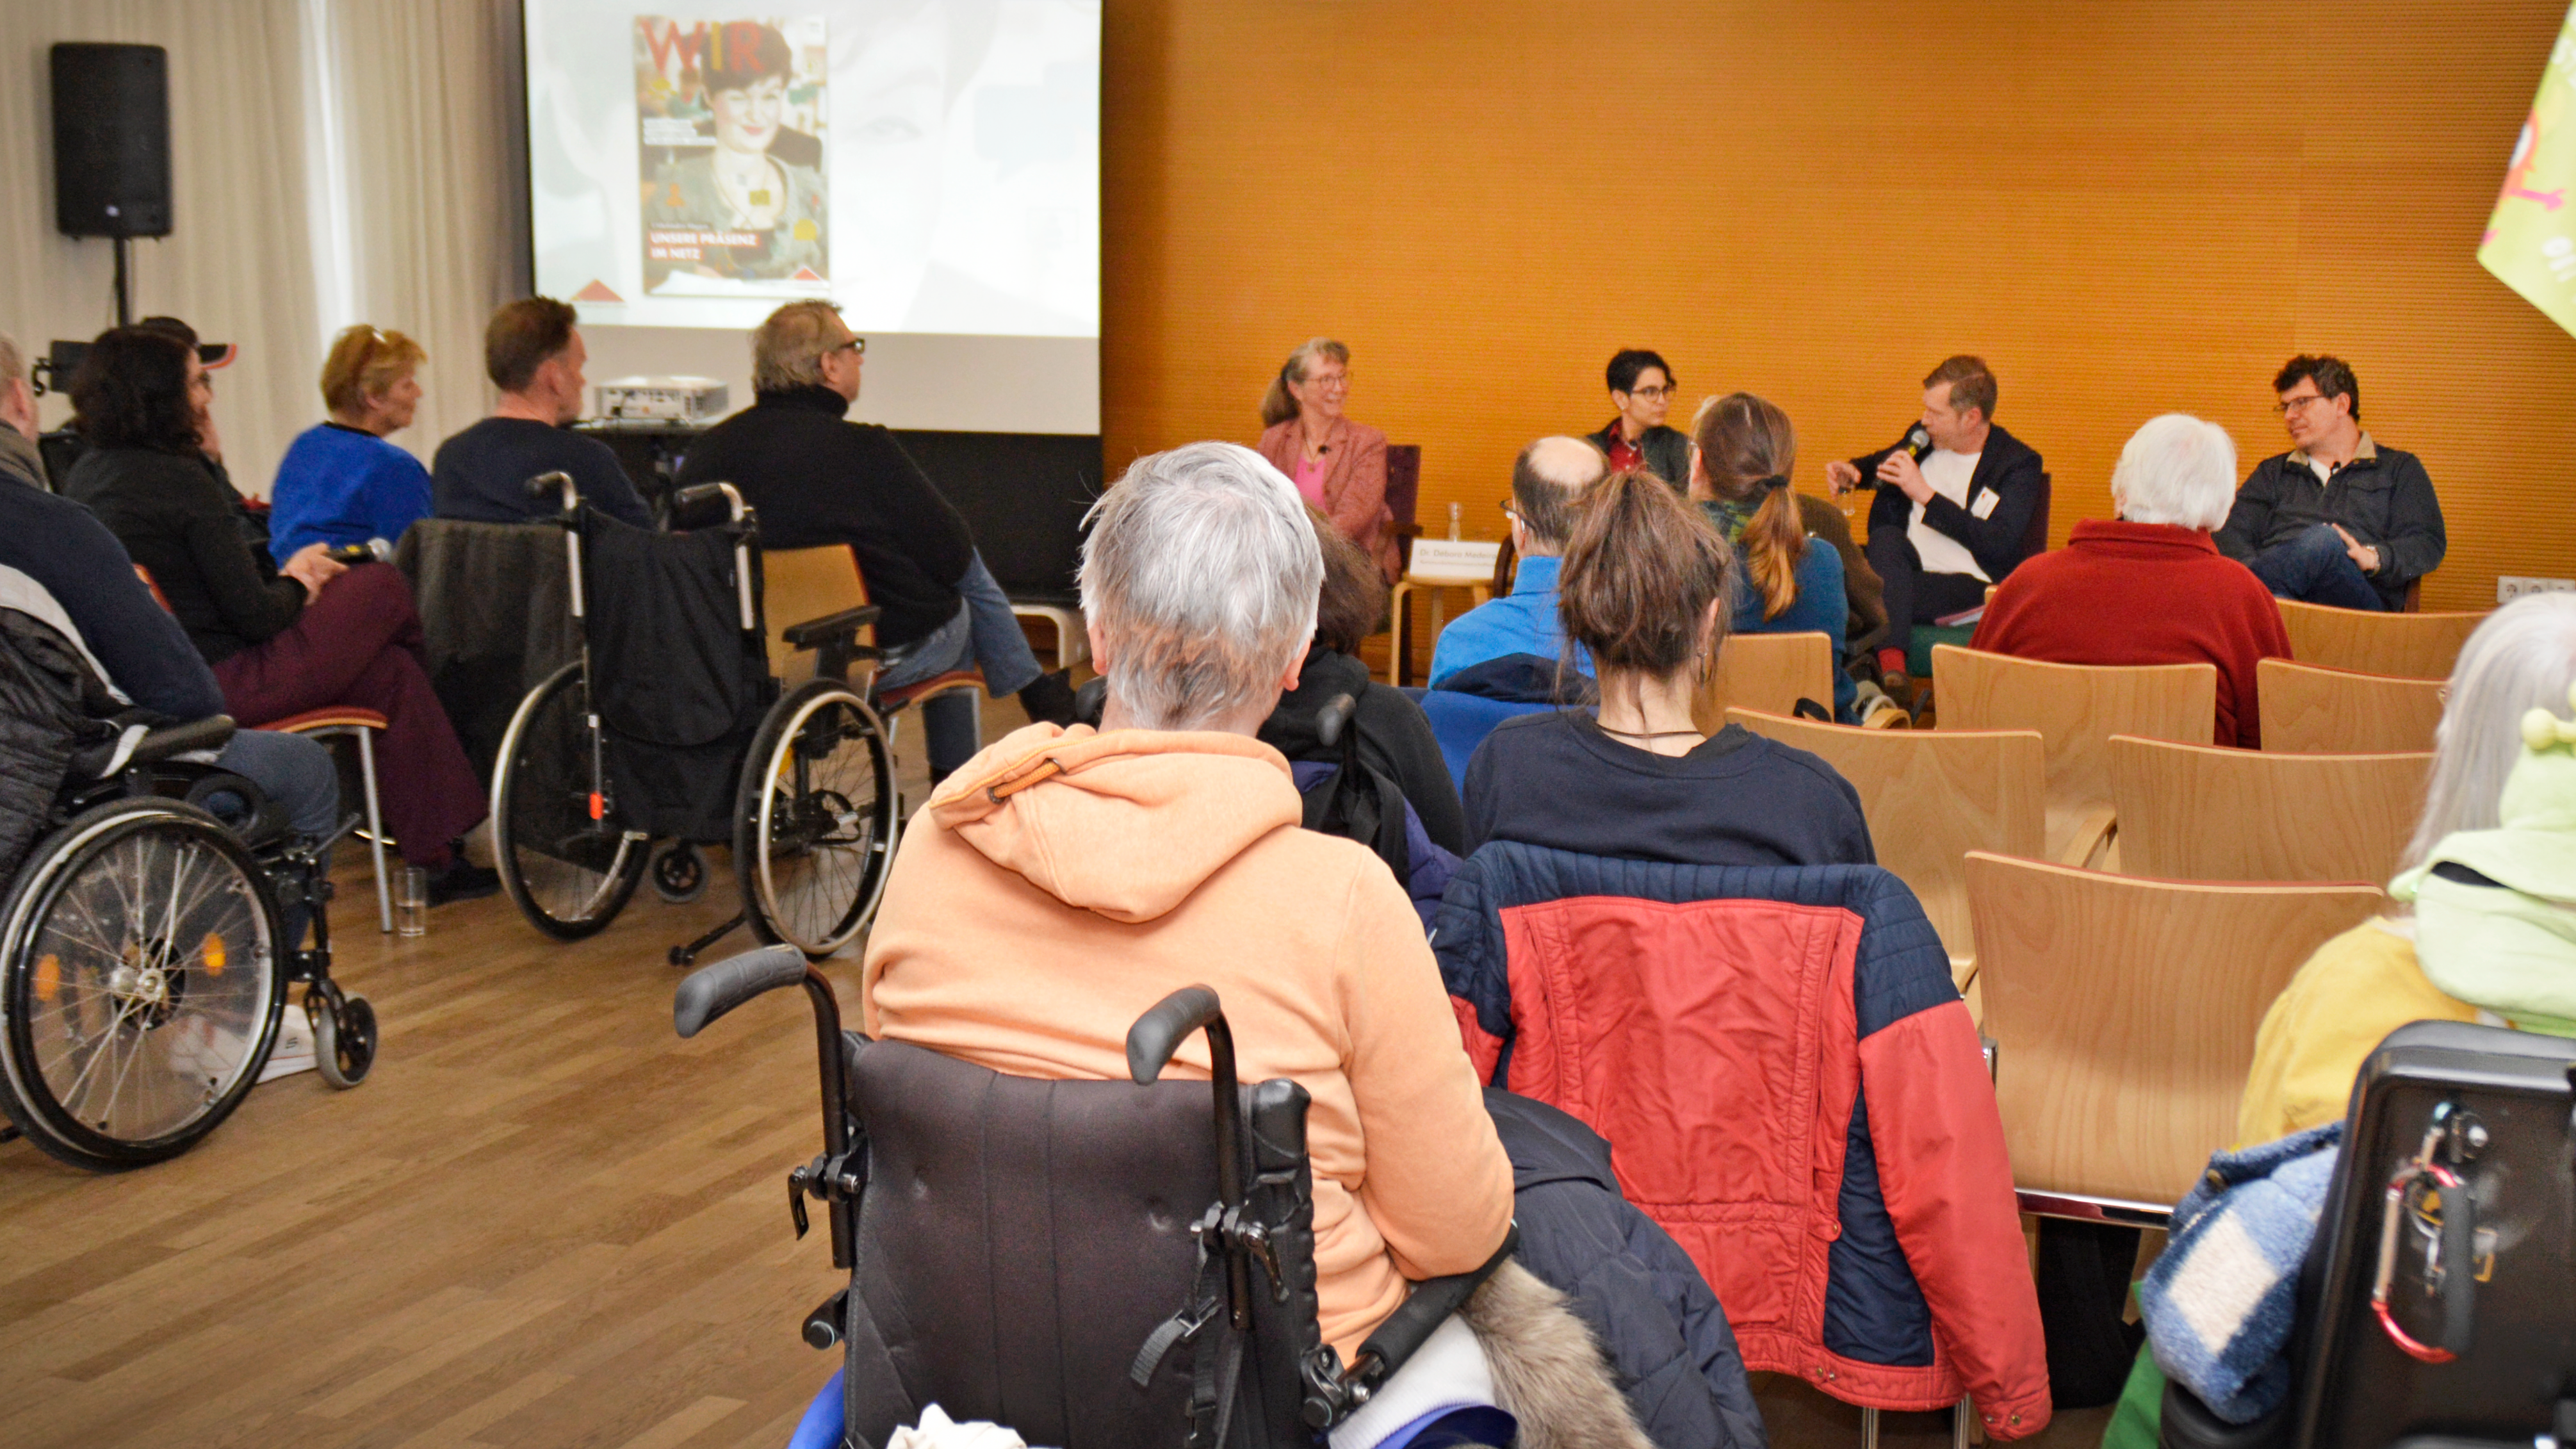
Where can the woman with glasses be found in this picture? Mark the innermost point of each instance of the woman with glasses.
(1641, 388)
(341, 482)
(1339, 465)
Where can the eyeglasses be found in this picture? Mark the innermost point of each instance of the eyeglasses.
(856, 347)
(1654, 394)
(2296, 404)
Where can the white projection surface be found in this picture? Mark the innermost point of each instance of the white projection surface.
(930, 166)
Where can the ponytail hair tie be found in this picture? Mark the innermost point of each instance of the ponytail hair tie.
(1772, 484)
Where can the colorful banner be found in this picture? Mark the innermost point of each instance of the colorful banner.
(2530, 242)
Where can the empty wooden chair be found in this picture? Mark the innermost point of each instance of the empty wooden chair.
(2410, 646)
(2123, 1013)
(1768, 672)
(2314, 710)
(1932, 796)
(2076, 708)
(2191, 812)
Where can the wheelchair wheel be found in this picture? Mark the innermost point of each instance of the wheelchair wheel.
(566, 864)
(814, 823)
(680, 872)
(344, 1035)
(140, 981)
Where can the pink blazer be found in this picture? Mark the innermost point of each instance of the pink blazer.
(1354, 484)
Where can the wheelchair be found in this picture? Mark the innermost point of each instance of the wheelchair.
(671, 725)
(146, 959)
(1091, 1264)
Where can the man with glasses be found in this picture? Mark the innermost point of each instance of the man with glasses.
(1641, 388)
(2338, 519)
(1547, 479)
(818, 479)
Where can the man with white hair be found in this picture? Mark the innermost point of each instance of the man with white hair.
(818, 479)
(2151, 588)
(19, 460)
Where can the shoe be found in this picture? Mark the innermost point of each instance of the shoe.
(462, 881)
(1891, 673)
(1049, 700)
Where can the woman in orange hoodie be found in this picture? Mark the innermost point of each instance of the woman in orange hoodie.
(1066, 880)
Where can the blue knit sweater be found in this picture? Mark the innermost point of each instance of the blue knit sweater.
(338, 485)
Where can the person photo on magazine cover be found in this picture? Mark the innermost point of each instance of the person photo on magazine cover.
(751, 205)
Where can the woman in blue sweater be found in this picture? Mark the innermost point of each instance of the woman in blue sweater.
(1742, 452)
(341, 482)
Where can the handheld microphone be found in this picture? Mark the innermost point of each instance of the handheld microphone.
(1916, 444)
(374, 550)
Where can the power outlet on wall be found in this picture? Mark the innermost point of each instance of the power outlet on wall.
(2509, 587)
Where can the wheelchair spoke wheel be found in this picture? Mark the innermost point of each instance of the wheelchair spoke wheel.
(141, 983)
(814, 823)
(566, 863)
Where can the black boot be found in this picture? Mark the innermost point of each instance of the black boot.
(1049, 700)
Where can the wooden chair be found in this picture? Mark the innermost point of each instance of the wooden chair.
(1932, 796)
(798, 584)
(2312, 710)
(2409, 646)
(2193, 812)
(2123, 1013)
(1767, 672)
(2076, 708)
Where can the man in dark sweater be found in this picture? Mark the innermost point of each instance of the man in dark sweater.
(2337, 520)
(534, 355)
(816, 479)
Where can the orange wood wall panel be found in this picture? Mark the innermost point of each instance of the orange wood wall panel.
(2127, 209)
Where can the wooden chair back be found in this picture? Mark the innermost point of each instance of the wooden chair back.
(2191, 812)
(1768, 672)
(2076, 708)
(799, 585)
(2309, 709)
(1931, 796)
(2409, 646)
(2124, 1013)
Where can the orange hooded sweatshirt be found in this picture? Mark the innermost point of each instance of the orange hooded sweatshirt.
(1064, 881)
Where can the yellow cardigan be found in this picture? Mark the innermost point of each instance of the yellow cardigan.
(2351, 994)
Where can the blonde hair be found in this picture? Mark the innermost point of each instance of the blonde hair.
(1747, 449)
(787, 347)
(1278, 405)
(364, 363)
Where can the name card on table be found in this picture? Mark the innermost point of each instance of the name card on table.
(1453, 558)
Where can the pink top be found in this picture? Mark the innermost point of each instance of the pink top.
(1310, 479)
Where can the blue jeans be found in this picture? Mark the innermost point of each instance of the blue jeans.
(2315, 567)
(1009, 664)
(295, 772)
(949, 722)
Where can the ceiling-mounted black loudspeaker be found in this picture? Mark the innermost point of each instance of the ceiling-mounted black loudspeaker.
(111, 140)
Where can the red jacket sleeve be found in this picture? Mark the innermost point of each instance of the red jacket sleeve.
(1948, 1185)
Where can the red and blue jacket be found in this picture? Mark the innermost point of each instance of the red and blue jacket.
(1791, 1087)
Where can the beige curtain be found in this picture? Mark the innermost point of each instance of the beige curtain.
(334, 161)
(237, 265)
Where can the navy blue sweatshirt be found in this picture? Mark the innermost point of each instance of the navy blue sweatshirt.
(62, 546)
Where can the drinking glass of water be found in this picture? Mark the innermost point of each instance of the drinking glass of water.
(411, 906)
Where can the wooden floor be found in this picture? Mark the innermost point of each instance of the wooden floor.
(544, 1221)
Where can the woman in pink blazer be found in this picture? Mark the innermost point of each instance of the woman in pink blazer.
(1339, 465)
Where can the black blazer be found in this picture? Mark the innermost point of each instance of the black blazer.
(1667, 452)
(2008, 468)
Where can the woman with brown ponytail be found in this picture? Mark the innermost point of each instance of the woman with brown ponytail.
(1644, 589)
(1743, 450)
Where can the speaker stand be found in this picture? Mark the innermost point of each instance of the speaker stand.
(124, 295)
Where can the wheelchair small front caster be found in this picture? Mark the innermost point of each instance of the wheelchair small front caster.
(679, 872)
(344, 1035)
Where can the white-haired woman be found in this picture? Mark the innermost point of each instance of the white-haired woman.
(1338, 465)
(2151, 588)
(1067, 879)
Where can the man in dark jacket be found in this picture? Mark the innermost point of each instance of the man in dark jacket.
(817, 479)
(1949, 524)
(2338, 519)
(1642, 388)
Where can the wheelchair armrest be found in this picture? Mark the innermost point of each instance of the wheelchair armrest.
(152, 746)
(1430, 1305)
(815, 633)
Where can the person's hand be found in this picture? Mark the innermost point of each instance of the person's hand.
(1899, 470)
(1841, 476)
(2364, 557)
(312, 567)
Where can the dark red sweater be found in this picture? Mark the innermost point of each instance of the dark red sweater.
(2143, 593)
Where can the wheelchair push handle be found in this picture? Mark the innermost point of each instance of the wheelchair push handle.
(690, 506)
(557, 482)
(1161, 1030)
(711, 991)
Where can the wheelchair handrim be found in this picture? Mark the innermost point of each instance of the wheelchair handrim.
(625, 867)
(872, 850)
